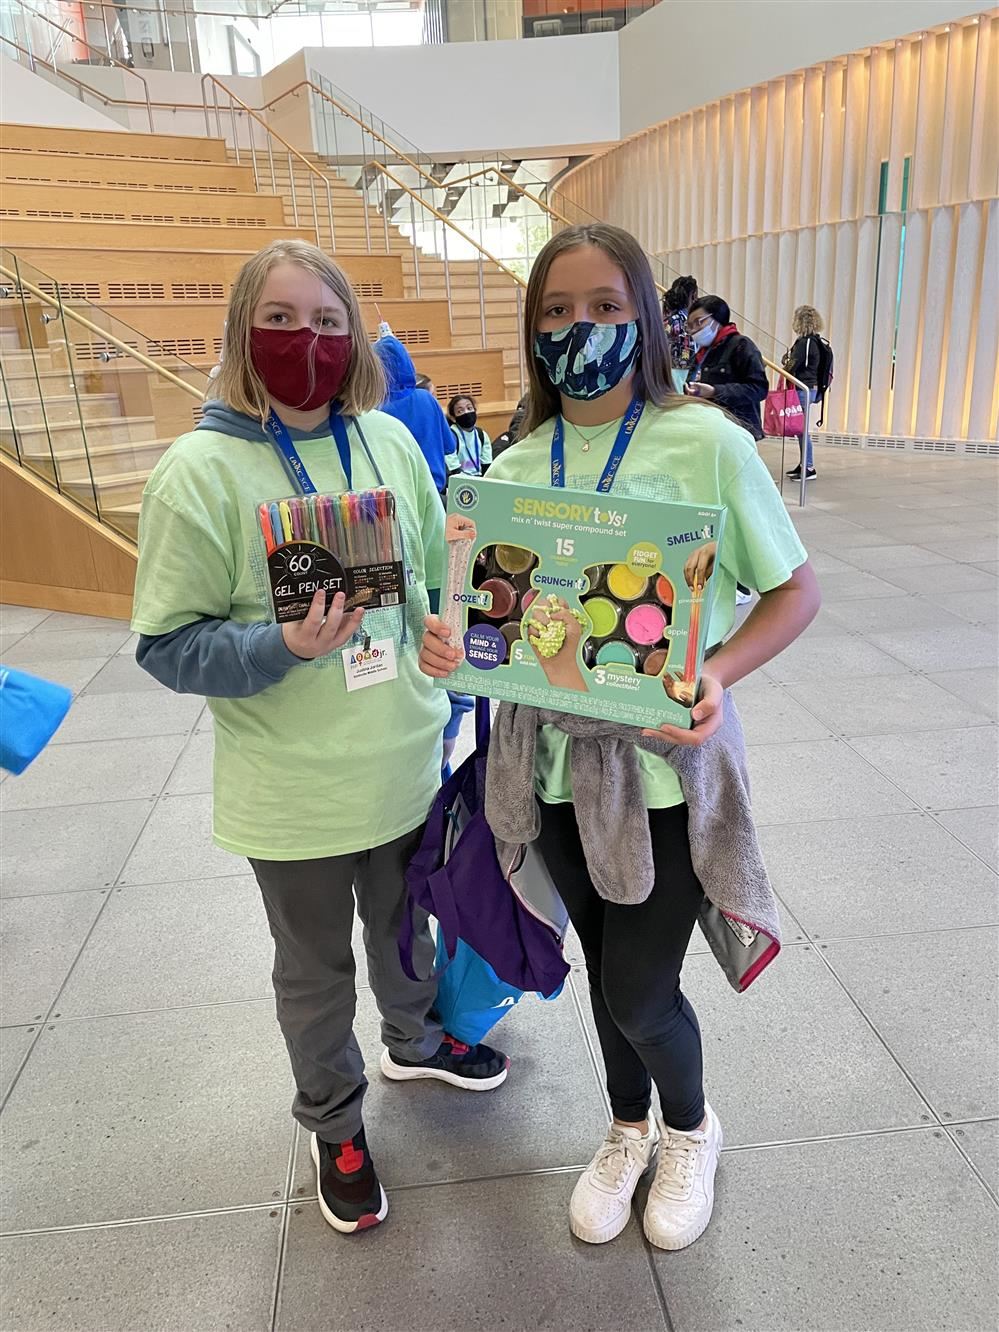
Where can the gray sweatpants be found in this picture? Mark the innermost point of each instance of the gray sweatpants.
(310, 909)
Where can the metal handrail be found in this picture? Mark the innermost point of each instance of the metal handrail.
(83, 42)
(216, 84)
(442, 217)
(91, 327)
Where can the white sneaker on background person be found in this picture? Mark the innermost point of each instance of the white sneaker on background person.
(682, 1196)
(601, 1201)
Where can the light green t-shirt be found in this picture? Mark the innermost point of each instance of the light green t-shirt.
(303, 769)
(691, 454)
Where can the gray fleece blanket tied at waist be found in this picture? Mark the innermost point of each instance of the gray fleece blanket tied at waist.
(739, 916)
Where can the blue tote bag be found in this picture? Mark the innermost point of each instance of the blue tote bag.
(491, 946)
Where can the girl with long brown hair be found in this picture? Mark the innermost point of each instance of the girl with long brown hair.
(599, 360)
(308, 756)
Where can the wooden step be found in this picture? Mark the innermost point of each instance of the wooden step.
(129, 144)
(61, 407)
(69, 435)
(167, 177)
(175, 274)
(20, 233)
(25, 360)
(102, 203)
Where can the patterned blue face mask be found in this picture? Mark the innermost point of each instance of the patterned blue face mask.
(585, 360)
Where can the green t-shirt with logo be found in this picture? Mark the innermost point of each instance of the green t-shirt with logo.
(692, 454)
(303, 769)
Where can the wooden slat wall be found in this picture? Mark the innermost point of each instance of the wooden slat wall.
(771, 197)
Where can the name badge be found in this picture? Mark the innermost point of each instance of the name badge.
(369, 664)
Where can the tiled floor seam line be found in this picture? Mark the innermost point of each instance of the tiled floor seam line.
(107, 893)
(821, 953)
(847, 740)
(283, 1236)
(818, 940)
(728, 1151)
(989, 1189)
(271, 1205)
(118, 1222)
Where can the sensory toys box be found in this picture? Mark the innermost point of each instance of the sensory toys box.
(580, 602)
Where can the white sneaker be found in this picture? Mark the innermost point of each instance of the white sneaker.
(743, 598)
(601, 1201)
(683, 1192)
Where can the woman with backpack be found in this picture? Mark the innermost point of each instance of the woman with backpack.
(804, 360)
(473, 449)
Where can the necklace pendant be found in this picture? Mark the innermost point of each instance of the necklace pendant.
(586, 447)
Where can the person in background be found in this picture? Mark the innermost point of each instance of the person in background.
(593, 322)
(323, 788)
(727, 369)
(802, 360)
(415, 407)
(509, 435)
(472, 449)
(676, 303)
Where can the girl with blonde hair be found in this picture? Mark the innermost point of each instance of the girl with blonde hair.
(307, 770)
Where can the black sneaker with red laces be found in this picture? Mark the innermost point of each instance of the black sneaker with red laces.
(350, 1195)
(471, 1067)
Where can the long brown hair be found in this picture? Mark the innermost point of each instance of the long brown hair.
(238, 384)
(653, 373)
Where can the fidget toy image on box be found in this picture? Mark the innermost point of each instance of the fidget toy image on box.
(580, 602)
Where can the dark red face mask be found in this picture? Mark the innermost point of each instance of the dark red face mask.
(300, 369)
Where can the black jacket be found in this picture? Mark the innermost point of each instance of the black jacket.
(802, 360)
(734, 368)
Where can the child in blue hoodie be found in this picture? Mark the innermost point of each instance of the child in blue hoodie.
(417, 409)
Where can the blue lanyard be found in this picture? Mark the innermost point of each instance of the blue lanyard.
(300, 477)
(475, 457)
(293, 462)
(624, 433)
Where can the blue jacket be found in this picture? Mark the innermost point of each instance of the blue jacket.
(417, 409)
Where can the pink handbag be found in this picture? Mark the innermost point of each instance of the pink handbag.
(782, 414)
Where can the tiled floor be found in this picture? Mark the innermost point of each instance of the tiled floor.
(152, 1176)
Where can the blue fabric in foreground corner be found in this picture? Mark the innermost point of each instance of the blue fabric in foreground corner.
(31, 711)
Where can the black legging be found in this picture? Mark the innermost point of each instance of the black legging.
(648, 1031)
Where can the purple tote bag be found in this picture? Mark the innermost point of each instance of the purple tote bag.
(456, 877)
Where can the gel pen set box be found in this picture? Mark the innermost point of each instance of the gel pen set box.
(580, 602)
(348, 543)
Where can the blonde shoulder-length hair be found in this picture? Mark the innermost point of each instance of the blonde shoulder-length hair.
(653, 372)
(806, 321)
(238, 384)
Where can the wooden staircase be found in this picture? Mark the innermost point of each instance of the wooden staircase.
(143, 235)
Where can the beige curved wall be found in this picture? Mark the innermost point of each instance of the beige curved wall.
(771, 198)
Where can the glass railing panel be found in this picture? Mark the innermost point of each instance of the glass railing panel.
(81, 410)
